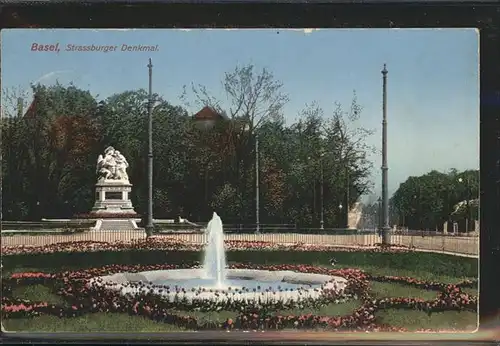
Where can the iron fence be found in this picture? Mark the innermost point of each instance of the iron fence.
(284, 234)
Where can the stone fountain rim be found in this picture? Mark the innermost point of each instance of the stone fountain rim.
(287, 276)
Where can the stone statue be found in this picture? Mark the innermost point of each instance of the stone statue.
(121, 166)
(112, 166)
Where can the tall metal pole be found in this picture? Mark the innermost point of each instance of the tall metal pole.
(149, 224)
(257, 198)
(347, 196)
(468, 219)
(379, 215)
(322, 221)
(386, 236)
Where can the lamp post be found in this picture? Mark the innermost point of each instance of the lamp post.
(149, 222)
(448, 192)
(257, 197)
(347, 195)
(386, 235)
(380, 216)
(469, 216)
(322, 220)
(38, 211)
(340, 209)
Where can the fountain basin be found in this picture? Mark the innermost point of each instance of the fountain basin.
(241, 285)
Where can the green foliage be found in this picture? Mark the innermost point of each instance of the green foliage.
(49, 155)
(427, 201)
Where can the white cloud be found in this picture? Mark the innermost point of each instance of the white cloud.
(50, 75)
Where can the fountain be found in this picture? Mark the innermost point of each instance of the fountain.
(215, 282)
(215, 257)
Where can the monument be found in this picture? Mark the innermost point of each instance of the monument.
(112, 191)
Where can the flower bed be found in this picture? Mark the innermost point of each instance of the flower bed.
(173, 244)
(83, 298)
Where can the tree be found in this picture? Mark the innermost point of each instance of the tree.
(427, 201)
(253, 99)
(51, 154)
(57, 134)
(123, 117)
(310, 146)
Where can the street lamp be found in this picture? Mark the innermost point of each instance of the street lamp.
(469, 216)
(38, 211)
(322, 221)
(149, 222)
(246, 129)
(257, 197)
(340, 209)
(380, 216)
(347, 196)
(386, 235)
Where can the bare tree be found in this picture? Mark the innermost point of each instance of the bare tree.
(251, 97)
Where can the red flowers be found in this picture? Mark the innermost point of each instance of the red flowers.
(31, 275)
(84, 298)
(176, 244)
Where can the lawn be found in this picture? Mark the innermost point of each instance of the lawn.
(114, 322)
(463, 321)
(388, 266)
(90, 323)
(413, 273)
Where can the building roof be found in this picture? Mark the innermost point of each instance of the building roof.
(30, 112)
(208, 113)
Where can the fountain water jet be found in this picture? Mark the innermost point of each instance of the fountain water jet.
(214, 263)
(245, 285)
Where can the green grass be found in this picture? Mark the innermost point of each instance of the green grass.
(206, 317)
(463, 321)
(428, 267)
(441, 265)
(340, 309)
(90, 323)
(414, 273)
(113, 322)
(471, 291)
(37, 293)
(389, 289)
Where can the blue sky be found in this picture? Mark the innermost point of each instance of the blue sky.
(433, 85)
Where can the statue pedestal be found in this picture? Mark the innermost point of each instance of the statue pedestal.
(113, 197)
